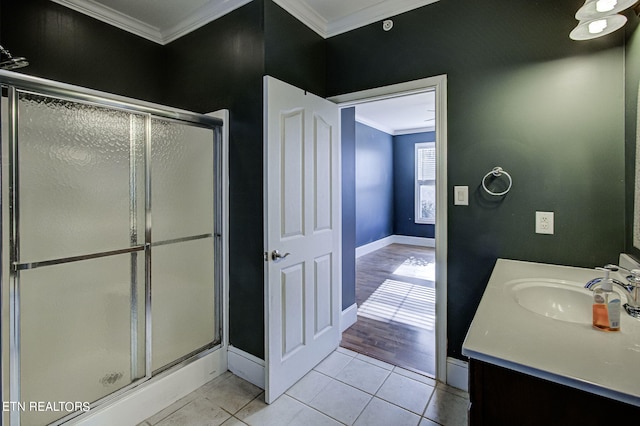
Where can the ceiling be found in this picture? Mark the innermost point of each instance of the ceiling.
(400, 115)
(163, 21)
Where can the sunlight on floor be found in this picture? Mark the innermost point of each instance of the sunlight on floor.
(397, 301)
(417, 267)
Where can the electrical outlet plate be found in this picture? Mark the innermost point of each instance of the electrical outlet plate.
(544, 222)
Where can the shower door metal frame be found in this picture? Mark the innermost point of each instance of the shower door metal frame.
(14, 82)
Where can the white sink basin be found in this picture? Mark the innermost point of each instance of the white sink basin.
(560, 300)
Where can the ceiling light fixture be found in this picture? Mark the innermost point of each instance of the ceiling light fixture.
(594, 28)
(599, 18)
(600, 8)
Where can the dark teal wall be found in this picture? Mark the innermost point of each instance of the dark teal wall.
(293, 53)
(404, 191)
(374, 184)
(523, 96)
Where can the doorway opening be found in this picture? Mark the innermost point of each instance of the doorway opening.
(394, 304)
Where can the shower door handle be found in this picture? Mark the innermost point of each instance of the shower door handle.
(276, 255)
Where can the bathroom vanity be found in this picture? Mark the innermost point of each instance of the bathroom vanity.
(535, 358)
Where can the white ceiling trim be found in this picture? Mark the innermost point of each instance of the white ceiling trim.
(203, 16)
(389, 130)
(375, 13)
(307, 15)
(300, 9)
(416, 130)
(375, 125)
(113, 17)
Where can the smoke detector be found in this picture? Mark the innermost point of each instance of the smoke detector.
(387, 24)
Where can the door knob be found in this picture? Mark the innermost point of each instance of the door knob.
(276, 255)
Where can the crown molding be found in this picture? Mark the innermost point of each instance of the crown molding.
(113, 17)
(416, 130)
(390, 131)
(374, 125)
(207, 13)
(375, 13)
(301, 10)
(304, 13)
(201, 17)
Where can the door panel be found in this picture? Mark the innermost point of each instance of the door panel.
(322, 176)
(292, 173)
(323, 293)
(302, 207)
(293, 308)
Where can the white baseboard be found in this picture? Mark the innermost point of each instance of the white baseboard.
(414, 241)
(156, 394)
(373, 246)
(394, 239)
(349, 317)
(247, 366)
(458, 374)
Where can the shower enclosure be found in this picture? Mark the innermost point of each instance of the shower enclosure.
(111, 245)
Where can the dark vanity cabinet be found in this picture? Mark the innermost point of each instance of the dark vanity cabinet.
(504, 397)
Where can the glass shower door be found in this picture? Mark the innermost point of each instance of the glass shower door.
(78, 262)
(182, 254)
(111, 245)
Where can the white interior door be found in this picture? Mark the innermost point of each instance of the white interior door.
(302, 224)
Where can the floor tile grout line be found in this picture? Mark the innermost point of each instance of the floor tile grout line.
(374, 395)
(363, 410)
(172, 412)
(315, 409)
(390, 372)
(397, 367)
(403, 408)
(245, 405)
(355, 387)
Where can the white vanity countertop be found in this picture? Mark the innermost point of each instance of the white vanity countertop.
(574, 354)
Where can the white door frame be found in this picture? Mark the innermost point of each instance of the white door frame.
(439, 83)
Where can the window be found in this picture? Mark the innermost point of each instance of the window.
(425, 199)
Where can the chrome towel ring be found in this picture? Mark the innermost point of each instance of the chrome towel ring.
(497, 172)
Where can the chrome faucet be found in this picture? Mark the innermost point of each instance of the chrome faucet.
(631, 288)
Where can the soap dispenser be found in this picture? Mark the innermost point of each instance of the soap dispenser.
(606, 305)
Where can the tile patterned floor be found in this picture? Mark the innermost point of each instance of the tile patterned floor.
(346, 388)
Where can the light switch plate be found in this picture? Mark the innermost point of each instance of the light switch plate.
(461, 195)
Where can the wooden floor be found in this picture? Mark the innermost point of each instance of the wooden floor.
(395, 293)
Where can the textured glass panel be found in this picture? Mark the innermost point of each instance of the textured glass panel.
(182, 180)
(74, 177)
(182, 299)
(76, 331)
